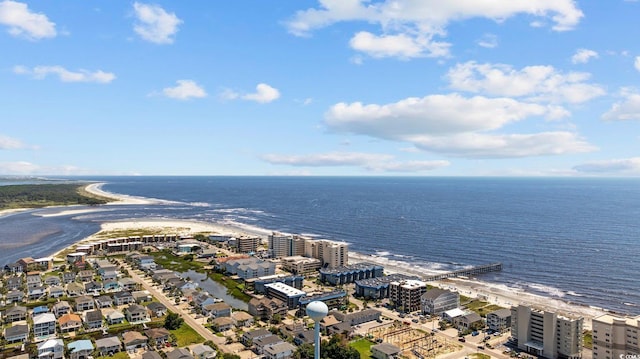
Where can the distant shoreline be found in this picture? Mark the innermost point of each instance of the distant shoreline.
(493, 293)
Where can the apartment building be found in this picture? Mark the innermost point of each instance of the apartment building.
(437, 301)
(332, 254)
(615, 337)
(545, 333)
(405, 295)
(300, 265)
(285, 245)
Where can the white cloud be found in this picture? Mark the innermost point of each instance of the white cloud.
(22, 22)
(41, 72)
(155, 24)
(368, 161)
(478, 145)
(433, 114)
(184, 90)
(488, 41)
(613, 166)
(402, 45)
(264, 94)
(626, 109)
(8, 143)
(19, 167)
(636, 63)
(537, 83)
(582, 56)
(414, 23)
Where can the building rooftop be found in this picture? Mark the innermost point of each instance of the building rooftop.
(610, 319)
(287, 289)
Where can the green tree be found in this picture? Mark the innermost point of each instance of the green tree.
(173, 321)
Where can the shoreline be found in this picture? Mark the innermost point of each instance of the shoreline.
(494, 293)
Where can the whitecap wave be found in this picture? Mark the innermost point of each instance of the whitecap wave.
(555, 292)
(200, 204)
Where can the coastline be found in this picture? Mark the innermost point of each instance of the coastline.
(493, 293)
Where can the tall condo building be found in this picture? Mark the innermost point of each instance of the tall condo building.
(405, 295)
(332, 254)
(285, 245)
(546, 334)
(615, 337)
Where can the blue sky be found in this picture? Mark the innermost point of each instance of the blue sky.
(330, 87)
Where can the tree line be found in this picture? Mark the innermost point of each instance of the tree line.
(42, 195)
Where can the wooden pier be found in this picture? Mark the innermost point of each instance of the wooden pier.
(469, 272)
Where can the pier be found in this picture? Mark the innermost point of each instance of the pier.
(469, 272)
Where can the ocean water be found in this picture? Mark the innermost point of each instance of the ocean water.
(574, 239)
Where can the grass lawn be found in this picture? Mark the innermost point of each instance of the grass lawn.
(363, 347)
(588, 339)
(119, 355)
(481, 307)
(176, 263)
(185, 335)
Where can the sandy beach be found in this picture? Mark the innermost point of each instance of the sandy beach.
(492, 292)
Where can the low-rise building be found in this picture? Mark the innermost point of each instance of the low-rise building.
(136, 314)
(108, 346)
(202, 351)
(436, 301)
(285, 293)
(350, 273)
(222, 324)
(51, 349)
(14, 314)
(266, 308)
(217, 310)
(499, 320)
(301, 265)
(80, 349)
(113, 316)
(44, 325)
(93, 319)
(61, 308)
(84, 303)
(385, 351)
(69, 323)
(158, 337)
(133, 340)
(16, 333)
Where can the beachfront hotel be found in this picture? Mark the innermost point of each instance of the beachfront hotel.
(615, 337)
(546, 334)
(332, 254)
(285, 245)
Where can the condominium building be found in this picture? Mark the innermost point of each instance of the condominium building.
(300, 265)
(351, 273)
(546, 334)
(405, 295)
(245, 244)
(332, 254)
(285, 293)
(437, 301)
(285, 245)
(615, 337)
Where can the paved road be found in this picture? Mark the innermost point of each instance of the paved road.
(206, 333)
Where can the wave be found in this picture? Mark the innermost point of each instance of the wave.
(574, 294)
(555, 292)
(200, 204)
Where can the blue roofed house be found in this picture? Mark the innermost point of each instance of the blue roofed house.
(40, 309)
(80, 349)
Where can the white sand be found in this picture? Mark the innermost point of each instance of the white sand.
(96, 188)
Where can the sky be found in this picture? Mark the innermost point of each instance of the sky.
(322, 87)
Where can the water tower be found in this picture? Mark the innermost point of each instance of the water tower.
(317, 310)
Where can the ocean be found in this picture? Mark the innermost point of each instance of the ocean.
(576, 239)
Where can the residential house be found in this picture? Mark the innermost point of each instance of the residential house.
(69, 323)
(61, 308)
(242, 319)
(93, 288)
(260, 343)
(75, 289)
(157, 309)
(385, 351)
(202, 299)
(111, 285)
(499, 320)
(14, 282)
(15, 313)
(108, 346)
(86, 275)
(51, 349)
(217, 310)
(93, 319)
(113, 316)
(84, 303)
(104, 301)
(202, 351)
(52, 280)
(282, 350)
(68, 277)
(36, 293)
(222, 324)
(109, 275)
(249, 337)
(34, 280)
(134, 340)
(141, 296)
(468, 321)
(266, 308)
(158, 336)
(40, 309)
(15, 296)
(44, 325)
(136, 314)
(150, 354)
(179, 353)
(128, 284)
(123, 298)
(80, 349)
(56, 291)
(16, 333)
